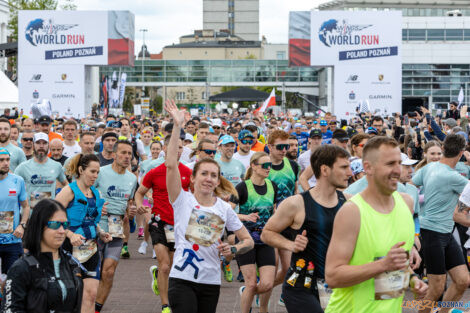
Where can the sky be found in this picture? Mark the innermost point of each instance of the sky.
(167, 20)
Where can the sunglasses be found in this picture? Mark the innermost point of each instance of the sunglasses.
(282, 146)
(266, 165)
(244, 141)
(27, 139)
(210, 152)
(215, 127)
(309, 123)
(56, 225)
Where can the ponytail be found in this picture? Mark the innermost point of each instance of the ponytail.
(254, 158)
(79, 160)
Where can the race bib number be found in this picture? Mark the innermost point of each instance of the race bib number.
(84, 252)
(6, 222)
(390, 285)
(324, 293)
(115, 226)
(204, 228)
(38, 196)
(169, 233)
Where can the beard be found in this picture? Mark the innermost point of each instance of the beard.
(2, 172)
(4, 138)
(291, 155)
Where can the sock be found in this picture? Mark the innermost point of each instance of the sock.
(125, 244)
(165, 306)
(98, 307)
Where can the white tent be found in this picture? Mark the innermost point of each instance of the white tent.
(8, 94)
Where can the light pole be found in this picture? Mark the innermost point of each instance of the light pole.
(144, 49)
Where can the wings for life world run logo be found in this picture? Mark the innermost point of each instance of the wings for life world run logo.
(41, 180)
(41, 32)
(114, 191)
(335, 33)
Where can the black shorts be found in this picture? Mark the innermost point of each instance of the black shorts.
(157, 233)
(92, 265)
(441, 252)
(301, 299)
(261, 255)
(190, 297)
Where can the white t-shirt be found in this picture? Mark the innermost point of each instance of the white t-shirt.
(197, 230)
(304, 162)
(245, 159)
(70, 151)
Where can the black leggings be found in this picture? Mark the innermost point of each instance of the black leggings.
(301, 300)
(189, 297)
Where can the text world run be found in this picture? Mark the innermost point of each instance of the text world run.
(354, 40)
(60, 39)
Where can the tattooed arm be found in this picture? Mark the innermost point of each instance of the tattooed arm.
(245, 243)
(461, 214)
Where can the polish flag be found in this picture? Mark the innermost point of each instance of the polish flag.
(271, 101)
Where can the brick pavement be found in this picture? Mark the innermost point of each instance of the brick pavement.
(132, 291)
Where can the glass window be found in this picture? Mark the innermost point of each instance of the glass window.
(435, 34)
(404, 34)
(280, 55)
(416, 34)
(454, 34)
(466, 34)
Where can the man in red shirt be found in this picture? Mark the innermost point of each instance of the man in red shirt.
(161, 225)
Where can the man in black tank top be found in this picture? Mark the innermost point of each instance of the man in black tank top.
(313, 224)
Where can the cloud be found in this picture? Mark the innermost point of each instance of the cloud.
(167, 20)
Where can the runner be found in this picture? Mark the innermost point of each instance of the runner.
(304, 159)
(293, 151)
(244, 153)
(41, 173)
(71, 146)
(56, 147)
(442, 186)
(432, 153)
(194, 284)
(206, 148)
(108, 139)
(84, 208)
(161, 228)
(117, 185)
(372, 237)
(27, 143)
(310, 215)
(301, 136)
(17, 155)
(256, 199)
(14, 213)
(138, 151)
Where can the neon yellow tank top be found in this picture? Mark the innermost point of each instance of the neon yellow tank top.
(378, 233)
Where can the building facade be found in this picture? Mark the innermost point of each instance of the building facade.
(239, 17)
(4, 15)
(436, 47)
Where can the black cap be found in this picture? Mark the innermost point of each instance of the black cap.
(315, 133)
(109, 134)
(340, 134)
(45, 119)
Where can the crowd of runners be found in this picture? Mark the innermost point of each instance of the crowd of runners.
(344, 215)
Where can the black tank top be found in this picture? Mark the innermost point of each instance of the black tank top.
(319, 225)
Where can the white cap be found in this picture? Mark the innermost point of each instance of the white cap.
(405, 160)
(41, 136)
(189, 137)
(216, 122)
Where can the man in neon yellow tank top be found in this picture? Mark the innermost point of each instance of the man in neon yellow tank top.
(367, 263)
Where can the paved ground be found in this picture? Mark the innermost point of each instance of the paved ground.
(132, 292)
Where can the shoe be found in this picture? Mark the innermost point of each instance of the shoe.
(154, 272)
(166, 310)
(227, 272)
(132, 225)
(125, 252)
(240, 277)
(241, 290)
(140, 236)
(154, 256)
(256, 301)
(281, 302)
(143, 247)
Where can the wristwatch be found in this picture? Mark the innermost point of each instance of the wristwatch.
(23, 225)
(233, 249)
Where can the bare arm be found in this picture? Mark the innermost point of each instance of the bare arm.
(65, 196)
(173, 179)
(304, 177)
(139, 197)
(245, 243)
(461, 215)
(26, 210)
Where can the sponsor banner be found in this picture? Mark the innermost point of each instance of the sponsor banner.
(63, 86)
(340, 36)
(380, 86)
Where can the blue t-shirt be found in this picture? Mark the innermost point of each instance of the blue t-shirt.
(13, 191)
(442, 187)
(302, 139)
(116, 189)
(233, 171)
(326, 137)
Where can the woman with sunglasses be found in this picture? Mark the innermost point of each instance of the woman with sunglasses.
(200, 219)
(205, 149)
(47, 278)
(257, 195)
(84, 208)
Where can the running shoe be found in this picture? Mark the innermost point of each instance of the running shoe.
(140, 236)
(143, 247)
(227, 272)
(154, 272)
(281, 301)
(241, 290)
(154, 256)
(257, 301)
(125, 252)
(132, 225)
(240, 277)
(166, 310)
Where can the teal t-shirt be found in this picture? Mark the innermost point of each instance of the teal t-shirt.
(57, 275)
(233, 171)
(16, 156)
(116, 189)
(463, 169)
(13, 192)
(442, 187)
(40, 179)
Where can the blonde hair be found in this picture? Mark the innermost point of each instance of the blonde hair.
(254, 158)
(80, 160)
(429, 145)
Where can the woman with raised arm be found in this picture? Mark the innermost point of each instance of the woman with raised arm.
(200, 219)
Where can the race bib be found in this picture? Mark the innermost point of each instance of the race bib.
(38, 196)
(84, 252)
(324, 293)
(6, 222)
(204, 228)
(115, 226)
(169, 233)
(390, 285)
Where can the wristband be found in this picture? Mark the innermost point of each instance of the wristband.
(411, 279)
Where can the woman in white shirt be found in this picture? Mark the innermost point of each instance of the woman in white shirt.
(200, 219)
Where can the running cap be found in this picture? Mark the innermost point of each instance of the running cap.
(244, 134)
(109, 134)
(405, 160)
(315, 133)
(41, 136)
(323, 123)
(226, 139)
(450, 122)
(4, 151)
(189, 137)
